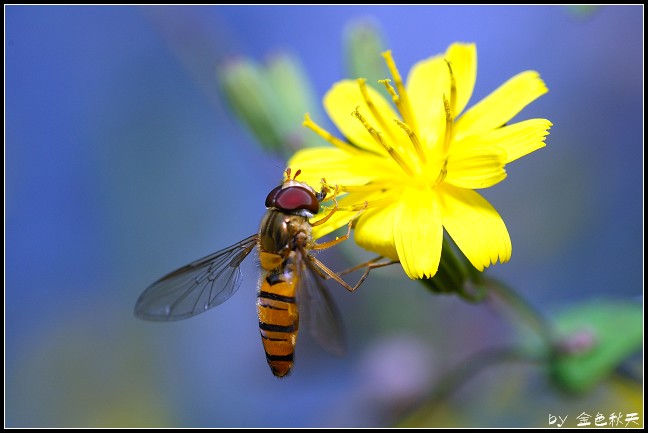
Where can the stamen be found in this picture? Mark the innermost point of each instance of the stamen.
(453, 88)
(443, 173)
(390, 90)
(378, 138)
(404, 105)
(413, 138)
(365, 95)
(308, 122)
(448, 129)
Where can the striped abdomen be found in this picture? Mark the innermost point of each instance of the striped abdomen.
(278, 317)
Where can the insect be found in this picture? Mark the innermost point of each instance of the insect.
(291, 281)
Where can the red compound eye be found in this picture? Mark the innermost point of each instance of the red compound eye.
(294, 198)
(272, 197)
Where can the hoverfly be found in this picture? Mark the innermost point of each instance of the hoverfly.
(291, 281)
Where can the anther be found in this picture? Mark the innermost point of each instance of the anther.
(449, 123)
(413, 138)
(380, 140)
(362, 83)
(453, 88)
(404, 106)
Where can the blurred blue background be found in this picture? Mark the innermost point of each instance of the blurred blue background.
(123, 163)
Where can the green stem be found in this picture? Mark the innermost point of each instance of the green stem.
(524, 309)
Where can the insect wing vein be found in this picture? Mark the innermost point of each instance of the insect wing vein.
(196, 287)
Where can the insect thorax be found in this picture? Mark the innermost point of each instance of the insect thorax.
(282, 232)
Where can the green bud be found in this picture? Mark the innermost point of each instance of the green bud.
(252, 100)
(271, 101)
(582, 11)
(363, 45)
(296, 96)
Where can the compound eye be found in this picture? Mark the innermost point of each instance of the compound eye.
(272, 197)
(294, 198)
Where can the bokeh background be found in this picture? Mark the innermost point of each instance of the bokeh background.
(123, 162)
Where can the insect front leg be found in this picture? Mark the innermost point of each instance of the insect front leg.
(342, 238)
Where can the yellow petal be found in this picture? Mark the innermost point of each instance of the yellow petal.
(514, 140)
(374, 231)
(418, 232)
(501, 105)
(475, 167)
(475, 226)
(344, 98)
(429, 81)
(335, 165)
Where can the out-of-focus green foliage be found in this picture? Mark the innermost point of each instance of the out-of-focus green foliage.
(596, 338)
(582, 11)
(271, 100)
(363, 45)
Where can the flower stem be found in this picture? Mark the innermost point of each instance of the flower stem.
(523, 308)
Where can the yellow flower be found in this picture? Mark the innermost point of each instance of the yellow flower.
(417, 167)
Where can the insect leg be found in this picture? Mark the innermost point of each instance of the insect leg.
(373, 263)
(343, 238)
(327, 273)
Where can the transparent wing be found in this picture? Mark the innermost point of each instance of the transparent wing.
(196, 287)
(317, 311)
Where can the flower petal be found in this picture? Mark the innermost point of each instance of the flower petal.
(336, 166)
(418, 232)
(475, 167)
(514, 140)
(475, 226)
(429, 81)
(374, 231)
(501, 105)
(344, 98)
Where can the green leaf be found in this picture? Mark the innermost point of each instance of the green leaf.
(594, 338)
